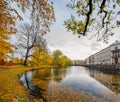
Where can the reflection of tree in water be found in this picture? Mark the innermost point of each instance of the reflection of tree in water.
(109, 79)
(48, 74)
(42, 73)
(43, 77)
(36, 91)
(58, 73)
(26, 79)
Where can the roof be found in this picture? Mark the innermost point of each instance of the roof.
(117, 42)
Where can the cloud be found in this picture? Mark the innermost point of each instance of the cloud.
(74, 47)
(95, 46)
(69, 44)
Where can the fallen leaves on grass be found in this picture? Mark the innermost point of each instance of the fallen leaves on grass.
(10, 88)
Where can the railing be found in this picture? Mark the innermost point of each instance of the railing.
(110, 67)
(115, 50)
(115, 56)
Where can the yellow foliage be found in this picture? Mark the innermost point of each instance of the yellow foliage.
(41, 58)
(6, 28)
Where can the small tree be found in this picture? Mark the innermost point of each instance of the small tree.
(41, 57)
(60, 60)
(56, 57)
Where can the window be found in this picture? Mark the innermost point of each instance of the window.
(116, 48)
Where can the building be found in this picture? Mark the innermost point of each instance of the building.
(78, 62)
(109, 55)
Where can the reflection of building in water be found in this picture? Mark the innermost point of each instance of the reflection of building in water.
(109, 55)
(109, 80)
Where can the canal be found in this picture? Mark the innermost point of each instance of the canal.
(72, 84)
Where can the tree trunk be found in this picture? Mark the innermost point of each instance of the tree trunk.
(25, 62)
(26, 58)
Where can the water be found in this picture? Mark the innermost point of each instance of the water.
(73, 83)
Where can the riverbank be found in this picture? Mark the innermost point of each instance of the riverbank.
(114, 67)
(10, 88)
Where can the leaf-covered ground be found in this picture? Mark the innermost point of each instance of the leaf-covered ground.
(10, 88)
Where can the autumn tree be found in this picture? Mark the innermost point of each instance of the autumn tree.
(56, 56)
(41, 13)
(65, 61)
(97, 15)
(29, 38)
(60, 60)
(40, 57)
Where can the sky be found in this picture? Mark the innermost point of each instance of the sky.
(72, 46)
(60, 39)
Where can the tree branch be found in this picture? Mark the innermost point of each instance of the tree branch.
(88, 16)
(102, 10)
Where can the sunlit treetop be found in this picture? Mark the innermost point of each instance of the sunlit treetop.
(97, 15)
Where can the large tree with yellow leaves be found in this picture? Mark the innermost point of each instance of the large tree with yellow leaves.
(6, 28)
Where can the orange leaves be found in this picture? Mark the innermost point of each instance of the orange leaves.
(10, 88)
(6, 19)
(6, 28)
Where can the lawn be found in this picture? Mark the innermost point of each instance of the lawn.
(10, 88)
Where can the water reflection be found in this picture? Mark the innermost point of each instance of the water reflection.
(108, 79)
(98, 83)
(26, 80)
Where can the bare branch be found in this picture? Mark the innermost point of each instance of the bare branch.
(88, 16)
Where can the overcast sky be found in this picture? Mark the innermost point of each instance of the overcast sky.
(69, 44)
(72, 46)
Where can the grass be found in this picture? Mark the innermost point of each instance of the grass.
(10, 88)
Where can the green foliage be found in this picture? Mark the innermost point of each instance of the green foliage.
(56, 55)
(118, 1)
(64, 61)
(75, 26)
(60, 60)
